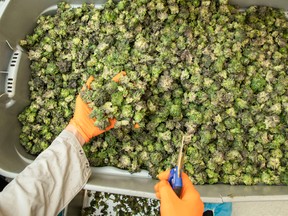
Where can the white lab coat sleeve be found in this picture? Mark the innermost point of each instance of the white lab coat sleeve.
(48, 184)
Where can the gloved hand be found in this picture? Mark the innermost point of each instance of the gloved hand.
(189, 204)
(81, 120)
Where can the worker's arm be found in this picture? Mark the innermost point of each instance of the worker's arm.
(48, 184)
(189, 203)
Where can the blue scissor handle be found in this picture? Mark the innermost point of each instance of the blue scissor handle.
(175, 181)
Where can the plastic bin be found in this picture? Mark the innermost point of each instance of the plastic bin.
(17, 19)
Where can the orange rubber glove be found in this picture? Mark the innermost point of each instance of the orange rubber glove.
(189, 204)
(118, 76)
(82, 121)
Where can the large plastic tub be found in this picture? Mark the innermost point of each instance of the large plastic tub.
(17, 19)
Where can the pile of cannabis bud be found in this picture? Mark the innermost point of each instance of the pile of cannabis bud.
(115, 204)
(203, 69)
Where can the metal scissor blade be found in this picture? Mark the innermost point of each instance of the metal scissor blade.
(180, 158)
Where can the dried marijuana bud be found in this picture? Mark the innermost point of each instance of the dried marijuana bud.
(202, 68)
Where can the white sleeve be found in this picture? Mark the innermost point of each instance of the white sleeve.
(48, 184)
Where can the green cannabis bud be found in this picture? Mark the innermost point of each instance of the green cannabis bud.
(200, 68)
